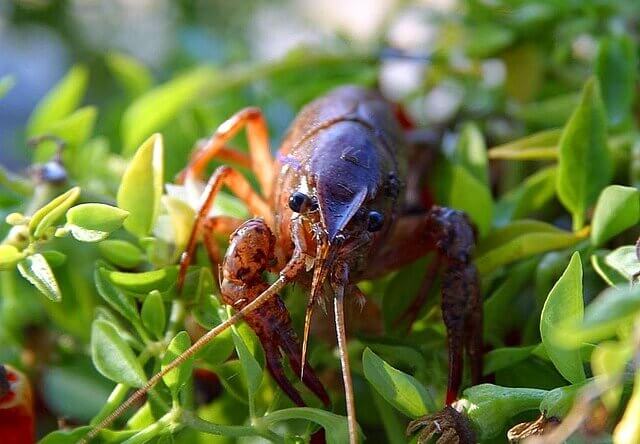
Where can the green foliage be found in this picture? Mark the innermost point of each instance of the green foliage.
(561, 306)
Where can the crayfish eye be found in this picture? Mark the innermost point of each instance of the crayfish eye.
(297, 201)
(375, 221)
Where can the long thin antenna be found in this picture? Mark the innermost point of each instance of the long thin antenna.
(204, 340)
(338, 306)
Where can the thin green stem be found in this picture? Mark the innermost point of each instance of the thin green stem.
(191, 420)
(152, 430)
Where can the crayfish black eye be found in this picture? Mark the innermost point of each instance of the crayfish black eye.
(375, 221)
(297, 201)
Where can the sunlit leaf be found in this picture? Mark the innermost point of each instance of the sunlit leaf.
(609, 360)
(141, 187)
(564, 304)
(121, 253)
(624, 260)
(37, 271)
(618, 208)
(145, 281)
(9, 257)
(46, 216)
(177, 377)
(132, 74)
(94, 221)
(153, 314)
(115, 297)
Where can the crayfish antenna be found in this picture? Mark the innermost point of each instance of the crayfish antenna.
(338, 305)
(276, 287)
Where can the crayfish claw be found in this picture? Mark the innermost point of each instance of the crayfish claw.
(451, 427)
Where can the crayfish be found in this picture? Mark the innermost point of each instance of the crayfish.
(331, 212)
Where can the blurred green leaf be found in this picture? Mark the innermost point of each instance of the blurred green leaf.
(564, 304)
(538, 146)
(54, 258)
(121, 253)
(616, 67)
(153, 314)
(141, 187)
(154, 109)
(549, 113)
(144, 282)
(609, 360)
(617, 209)
(36, 270)
(519, 240)
(628, 429)
(558, 402)
(399, 389)
(112, 356)
(471, 153)
(530, 196)
(468, 194)
(73, 436)
(584, 167)
(603, 317)
(93, 222)
(121, 302)
(486, 40)
(505, 357)
(182, 219)
(46, 216)
(61, 101)
(9, 257)
(177, 377)
(132, 74)
(624, 260)
(6, 83)
(74, 129)
(605, 271)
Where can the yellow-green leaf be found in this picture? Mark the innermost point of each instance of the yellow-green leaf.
(37, 271)
(51, 212)
(177, 377)
(618, 208)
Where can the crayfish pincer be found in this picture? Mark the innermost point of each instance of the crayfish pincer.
(331, 211)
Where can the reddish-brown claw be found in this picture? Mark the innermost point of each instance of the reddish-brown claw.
(449, 425)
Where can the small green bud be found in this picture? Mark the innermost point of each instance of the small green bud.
(61, 232)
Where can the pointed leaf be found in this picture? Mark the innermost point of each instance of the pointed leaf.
(564, 304)
(133, 75)
(121, 253)
(94, 222)
(401, 390)
(471, 153)
(113, 357)
(625, 261)
(250, 365)
(584, 166)
(141, 187)
(74, 129)
(51, 212)
(36, 270)
(121, 302)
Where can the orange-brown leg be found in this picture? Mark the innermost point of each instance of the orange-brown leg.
(260, 158)
(240, 187)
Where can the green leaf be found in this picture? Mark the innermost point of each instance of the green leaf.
(541, 145)
(74, 436)
(36, 270)
(141, 187)
(177, 377)
(584, 166)
(154, 109)
(121, 302)
(402, 391)
(74, 130)
(616, 67)
(471, 153)
(143, 282)
(618, 208)
(182, 219)
(121, 253)
(335, 426)
(550, 112)
(51, 212)
(609, 360)
(6, 83)
(501, 358)
(153, 314)
(530, 196)
(54, 258)
(624, 260)
(250, 366)
(61, 101)
(9, 257)
(558, 402)
(113, 357)
(605, 271)
(564, 304)
(521, 239)
(133, 75)
(490, 407)
(603, 317)
(94, 222)
(471, 196)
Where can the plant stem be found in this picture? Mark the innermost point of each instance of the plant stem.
(191, 420)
